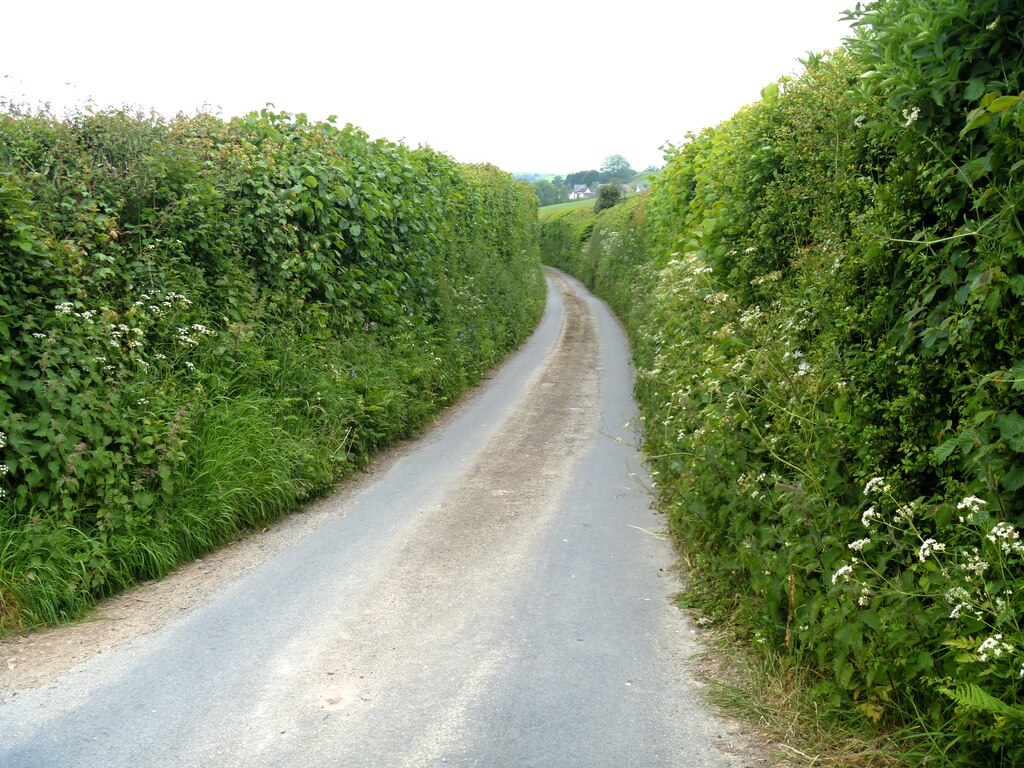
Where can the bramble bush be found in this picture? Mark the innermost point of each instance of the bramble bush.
(203, 323)
(824, 298)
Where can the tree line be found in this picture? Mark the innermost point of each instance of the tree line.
(615, 169)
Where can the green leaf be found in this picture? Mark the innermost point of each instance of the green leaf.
(974, 169)
(976, 119)
(770, 92)
(1003, 103)
(975, 89)
(844, 674)
(1010, 425)
(923, 662)
(1013, 480)
(942, 452)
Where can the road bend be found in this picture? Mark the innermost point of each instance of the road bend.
(495, 594)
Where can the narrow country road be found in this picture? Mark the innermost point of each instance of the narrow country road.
(495, 593)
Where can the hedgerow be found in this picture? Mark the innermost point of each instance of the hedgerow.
(824, 297)
(203, 323)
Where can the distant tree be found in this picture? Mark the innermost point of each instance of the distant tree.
(607, 196)
(547, 193)
(617, 168)
(591, 178)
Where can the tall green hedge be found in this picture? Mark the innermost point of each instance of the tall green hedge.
(825, 301)
(203, 323)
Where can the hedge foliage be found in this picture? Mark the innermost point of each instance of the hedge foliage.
(825, 298)
(203, 323)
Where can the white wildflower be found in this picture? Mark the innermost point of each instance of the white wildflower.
(957, 594)
(993, 647)
(905, 512)
(858, 545)
(971, 504)
(1007, 537)
(843, 573)
(876, 484)
(910, 116)
(4, 470)
(750, 315)
(928, 548)
(975, 564)
(64, 308)
(868, 516)
(770, 277)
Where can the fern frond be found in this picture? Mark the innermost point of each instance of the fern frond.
(973, 698)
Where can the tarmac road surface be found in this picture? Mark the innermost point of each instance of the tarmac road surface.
(497, 593)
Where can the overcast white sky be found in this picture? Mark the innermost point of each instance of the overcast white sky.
(528, 85)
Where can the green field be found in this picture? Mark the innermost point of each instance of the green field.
(547, 210)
